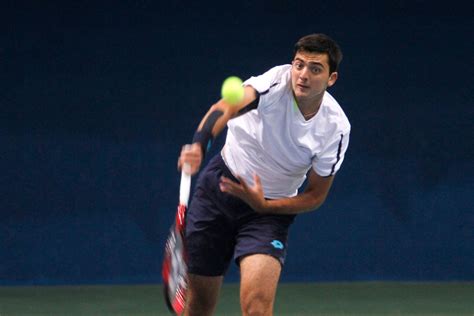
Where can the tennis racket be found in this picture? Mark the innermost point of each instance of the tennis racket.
(174, 269)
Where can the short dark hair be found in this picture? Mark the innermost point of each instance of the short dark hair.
(321, 43)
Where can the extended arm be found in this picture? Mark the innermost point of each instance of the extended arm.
(313, 196)
(211, 125)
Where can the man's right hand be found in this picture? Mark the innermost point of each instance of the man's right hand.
(192, 156)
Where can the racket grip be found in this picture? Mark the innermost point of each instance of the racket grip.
(185, 185)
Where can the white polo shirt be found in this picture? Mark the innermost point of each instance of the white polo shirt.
(278, 144)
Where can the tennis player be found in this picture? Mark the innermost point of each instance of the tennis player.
(288, 128)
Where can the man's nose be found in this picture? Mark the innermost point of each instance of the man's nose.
(304, 73)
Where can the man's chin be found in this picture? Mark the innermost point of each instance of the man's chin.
(300, 94)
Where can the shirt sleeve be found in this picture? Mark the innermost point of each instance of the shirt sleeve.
(263, 82)
(270, 85)
(331, 158)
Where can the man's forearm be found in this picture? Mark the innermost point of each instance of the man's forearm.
(301, 203)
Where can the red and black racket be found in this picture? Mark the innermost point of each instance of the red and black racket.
(174, 270)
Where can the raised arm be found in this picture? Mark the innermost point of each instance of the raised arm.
(211, 125)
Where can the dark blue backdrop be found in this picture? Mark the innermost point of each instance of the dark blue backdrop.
(97, 99)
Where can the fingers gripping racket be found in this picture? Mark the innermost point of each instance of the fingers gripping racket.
(174, 269)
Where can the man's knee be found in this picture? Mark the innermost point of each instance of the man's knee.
(202, 295)
(201, 300)
(257, 303)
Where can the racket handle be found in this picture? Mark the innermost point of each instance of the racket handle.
(185, 185)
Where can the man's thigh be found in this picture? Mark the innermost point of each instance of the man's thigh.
(210, 224)
(209, 237)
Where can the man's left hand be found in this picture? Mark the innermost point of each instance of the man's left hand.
(252, 195)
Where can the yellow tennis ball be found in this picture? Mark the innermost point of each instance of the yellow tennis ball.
(232, 90)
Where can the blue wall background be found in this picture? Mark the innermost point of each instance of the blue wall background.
(97, 98)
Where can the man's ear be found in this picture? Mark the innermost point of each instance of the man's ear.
(332, 79)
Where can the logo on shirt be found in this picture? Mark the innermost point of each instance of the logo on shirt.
(277, 244)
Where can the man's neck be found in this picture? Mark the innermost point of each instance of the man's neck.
(309, 107)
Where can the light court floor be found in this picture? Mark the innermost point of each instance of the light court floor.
(357, 298)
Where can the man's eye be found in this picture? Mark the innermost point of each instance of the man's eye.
(315, 70)
(299, 65)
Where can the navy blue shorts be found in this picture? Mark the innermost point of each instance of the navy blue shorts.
(220, 227)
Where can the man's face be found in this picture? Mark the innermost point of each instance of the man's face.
(310, 75)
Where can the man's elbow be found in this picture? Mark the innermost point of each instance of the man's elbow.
(317, 202)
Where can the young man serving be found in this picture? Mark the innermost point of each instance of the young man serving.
(286, 129)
